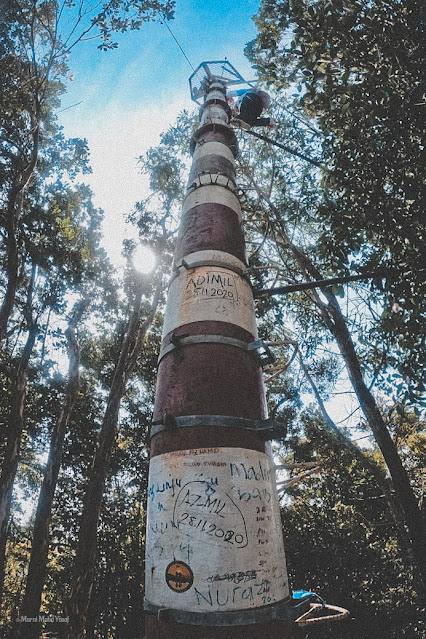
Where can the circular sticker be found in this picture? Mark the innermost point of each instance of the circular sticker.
(179, 576)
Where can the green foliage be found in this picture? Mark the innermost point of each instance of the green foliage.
(118, 590)
(120, 16)
(50, 255)
(341, 543)
(340, 539)
(358, 68)
(166, 166)
(16, 570)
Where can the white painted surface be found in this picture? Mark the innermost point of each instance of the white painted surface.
(216, 510)
(216, 94)
(214, 112)
(210, 293)
(212, 194)
(213, 148)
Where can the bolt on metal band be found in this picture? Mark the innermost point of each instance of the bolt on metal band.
(257, 348)
(282, 610)
(205, 178)
(268, 427)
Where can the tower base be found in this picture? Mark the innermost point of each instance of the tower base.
(284, 629)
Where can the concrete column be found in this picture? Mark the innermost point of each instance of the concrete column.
(215, 564)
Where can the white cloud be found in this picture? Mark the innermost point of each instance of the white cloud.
(116, 141)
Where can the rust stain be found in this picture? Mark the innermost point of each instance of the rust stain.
(211, 226)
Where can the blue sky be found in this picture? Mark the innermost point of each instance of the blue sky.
(128, 96)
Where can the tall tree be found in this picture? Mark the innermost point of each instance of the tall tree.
(86, 551)
(40, 540)
(356, 68)
(329, 312)
(52, 266)
(35, 39)
(341, 543)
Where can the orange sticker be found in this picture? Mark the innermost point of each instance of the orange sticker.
(179, 576)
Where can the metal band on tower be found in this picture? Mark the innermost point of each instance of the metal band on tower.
(215, 564)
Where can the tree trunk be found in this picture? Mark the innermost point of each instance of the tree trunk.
(371, 467)
(10, 463)
(85, 560)
(11, 458)
(404, 493)
(336, 323)
(14, 212)
(12, 272)
(40, 543)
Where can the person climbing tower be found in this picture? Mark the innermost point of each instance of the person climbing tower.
(252, 102)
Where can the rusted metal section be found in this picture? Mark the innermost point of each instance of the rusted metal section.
(211, 327)
(217, 96)
(215, 133)
(185, 383)
(216, 188)
(185, 376)
(200, 438)
(211, 226)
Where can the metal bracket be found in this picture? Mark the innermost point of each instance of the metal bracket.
(280, 610)
(258, 348)
(263, 352)
(205, 178)
(213, 74)
(268, 427)
(239, 124)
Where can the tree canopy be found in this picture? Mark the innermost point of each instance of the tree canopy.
(358, 72)
(344, 78)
